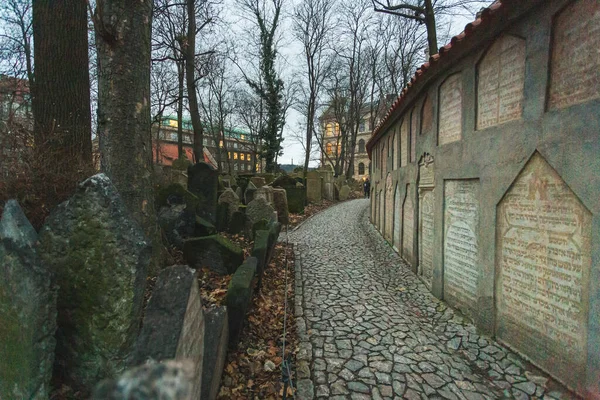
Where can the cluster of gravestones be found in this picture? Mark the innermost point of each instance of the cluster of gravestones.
(72, 295)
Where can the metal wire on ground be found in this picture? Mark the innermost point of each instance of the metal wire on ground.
(286, 368)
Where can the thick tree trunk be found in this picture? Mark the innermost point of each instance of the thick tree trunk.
(190, 71)
(181, 77)
(431, 28)
(123, 40)
(61, 90)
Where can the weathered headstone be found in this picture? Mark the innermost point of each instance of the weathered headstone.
(231, 198)
(258, 181)
(450, 110)
(203, 181)
(249, 193)
(261, 252)
(296, 197)
(239, 192)
(173, 325)
(313, 187)
(265, 192)
(100, 257)
(214, 252)
(344, 192)
(215, 351)
(171, 380)
(259, 209)
(27, 311)
(177, 194)
(239, 297)
(237, 223)
(203, 227)
(328, 189)
(178, 223)
(281, 205)
(426, 218)
(284, 181)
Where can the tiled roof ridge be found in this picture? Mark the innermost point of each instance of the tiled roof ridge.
(484, 18)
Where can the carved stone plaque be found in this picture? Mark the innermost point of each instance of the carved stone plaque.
(397, 220)
(426, 207)
(426, 218)
(450, 120)
(575, 64)
(461, 249)
(500, 77)
(389, 207)
(426, 116)
(544, 261)
(404, 143)
(408, 225)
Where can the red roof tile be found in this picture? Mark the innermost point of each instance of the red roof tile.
(460, 41)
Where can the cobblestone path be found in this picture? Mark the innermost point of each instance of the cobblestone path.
(369, 329)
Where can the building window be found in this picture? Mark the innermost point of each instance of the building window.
(329, 149)
(242, 156)
(361, 127)
(229, 155)
(361, 168)
(235, 145)
(329, 130)
(235, 166)
(220, 143)
(361, 146)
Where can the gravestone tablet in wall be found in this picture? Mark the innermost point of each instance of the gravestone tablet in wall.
(450, 117)
(404, 143)
(426, 116)
(500, 77)
(544, 261)
(389, 207)
(397, 220)
(461, 250)
(413, 134)
(426, 218)
(408, 225)
(575, 48)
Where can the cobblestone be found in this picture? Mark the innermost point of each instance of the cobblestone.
(370, 329)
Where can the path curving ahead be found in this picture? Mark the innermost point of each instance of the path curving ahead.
(369, 329)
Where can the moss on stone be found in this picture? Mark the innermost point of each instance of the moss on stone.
(181, 164)
(190, 199)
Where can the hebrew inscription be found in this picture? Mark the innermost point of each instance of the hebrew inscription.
(450, 120)
(544, 261)
(461, 250)
(501, 76)
(426, 204)
(404, 143)
(397, 220)
(408, 225)
(575, 64)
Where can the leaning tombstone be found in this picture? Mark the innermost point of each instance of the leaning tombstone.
(171, 380)
(281, 205)
(27, 311)
(100, 257)
(203, 181)
(173, 325)
(215, 351)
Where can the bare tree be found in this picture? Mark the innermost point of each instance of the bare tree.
(266, 15)
(16, 36)
(313, 28)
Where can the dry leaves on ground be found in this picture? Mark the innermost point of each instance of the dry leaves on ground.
(253, 369)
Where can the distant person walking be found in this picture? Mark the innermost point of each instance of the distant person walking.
(367, 188)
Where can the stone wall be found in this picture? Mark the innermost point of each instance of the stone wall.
(497, 181)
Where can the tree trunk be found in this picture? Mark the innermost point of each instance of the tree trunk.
(190, 67)
(431, 28)
(123, 40)
(180, 76)
(61, 90)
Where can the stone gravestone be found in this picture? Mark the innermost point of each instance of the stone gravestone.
(259, 209)
(214, 252)
(426, 218)
(258, 181)
(281, 205)
(328, 183)
(344, 192)
(100, 257)
(215, 351)
(313, 187)
(171, 380)
(203, 181)
(27, 311)
(266, 192)
(174, 322)
(249, 193)
(230, 203)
